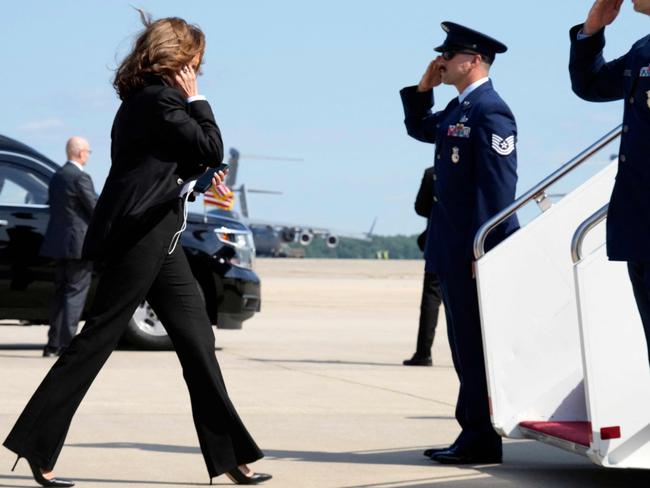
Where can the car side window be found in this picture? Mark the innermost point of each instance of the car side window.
(19, 185)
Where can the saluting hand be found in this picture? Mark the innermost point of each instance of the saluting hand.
(602, 13)
(431, 77)
(185, 81)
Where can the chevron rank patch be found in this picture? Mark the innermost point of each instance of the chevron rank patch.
(503, 146)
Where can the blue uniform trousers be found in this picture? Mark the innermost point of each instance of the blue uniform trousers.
(464, 331)
(640, 278)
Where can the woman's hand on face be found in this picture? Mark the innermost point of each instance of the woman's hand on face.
(185, 81)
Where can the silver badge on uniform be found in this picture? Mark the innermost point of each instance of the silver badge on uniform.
(455, 154)
(463, 119)
(644, 72)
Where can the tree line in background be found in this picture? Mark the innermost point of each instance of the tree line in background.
(381, 247)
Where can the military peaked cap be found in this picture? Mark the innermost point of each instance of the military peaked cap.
(460, 37)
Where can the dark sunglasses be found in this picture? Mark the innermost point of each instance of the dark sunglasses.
(449, 55)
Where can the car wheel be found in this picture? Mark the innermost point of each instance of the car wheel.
(146, 331)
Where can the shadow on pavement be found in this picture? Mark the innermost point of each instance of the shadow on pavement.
(325, 361)
(99, 480)
(403, 456)
(39, 347)
(22, 347)
(141, 446)
(527, 463)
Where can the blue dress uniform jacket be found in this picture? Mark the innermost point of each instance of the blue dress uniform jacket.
(474, 178)
(475, 170)
(628, 78)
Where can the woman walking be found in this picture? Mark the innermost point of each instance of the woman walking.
(164, 134)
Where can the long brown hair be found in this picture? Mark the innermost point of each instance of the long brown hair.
(163, 48)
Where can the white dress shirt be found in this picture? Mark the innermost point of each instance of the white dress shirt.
(471, 88)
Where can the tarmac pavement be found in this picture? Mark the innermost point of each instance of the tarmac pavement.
(317, 378)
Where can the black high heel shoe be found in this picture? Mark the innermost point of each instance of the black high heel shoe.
(42, 480)
(239, 478)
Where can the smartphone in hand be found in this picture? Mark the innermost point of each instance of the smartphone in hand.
(205, 180)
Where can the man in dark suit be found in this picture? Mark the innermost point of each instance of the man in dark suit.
(475, 177)
(626, 78)
(431, 294)
(72, 199)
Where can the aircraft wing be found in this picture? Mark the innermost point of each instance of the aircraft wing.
(291, 232)
(304, 234)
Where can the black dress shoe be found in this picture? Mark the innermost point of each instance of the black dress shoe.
(239, 478)
(418, 361)
(42, 480)
(456, 455)
(49, 352)
(435, 450)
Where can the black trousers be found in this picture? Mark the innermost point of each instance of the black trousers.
(71, 283)
(429, 311)
(145, 270)
(465, 339)
(640, 278)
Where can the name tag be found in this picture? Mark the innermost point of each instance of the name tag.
(458, 130)
(645, 72)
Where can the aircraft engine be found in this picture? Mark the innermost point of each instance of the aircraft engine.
(288, 234)
(306, 238)
(331, 241)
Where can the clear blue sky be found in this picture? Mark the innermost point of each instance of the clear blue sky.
(312, 80)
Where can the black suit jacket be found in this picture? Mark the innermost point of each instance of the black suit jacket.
(72, 198)
(158, 142)
(424, 202)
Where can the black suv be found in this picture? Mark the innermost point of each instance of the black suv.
(220, 251)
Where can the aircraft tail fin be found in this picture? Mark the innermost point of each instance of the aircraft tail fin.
(369, 234)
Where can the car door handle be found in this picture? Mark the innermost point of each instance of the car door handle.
(4, 222)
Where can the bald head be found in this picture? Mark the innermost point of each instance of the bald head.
(77, 149)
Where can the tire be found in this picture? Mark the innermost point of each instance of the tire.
(145, 330)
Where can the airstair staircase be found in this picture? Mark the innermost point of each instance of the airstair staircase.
(566, 357)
